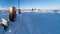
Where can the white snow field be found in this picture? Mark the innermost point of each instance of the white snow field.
(32, 23)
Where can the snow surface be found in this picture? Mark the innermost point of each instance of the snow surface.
(32, 23)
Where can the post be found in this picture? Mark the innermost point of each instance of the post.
(19, 10)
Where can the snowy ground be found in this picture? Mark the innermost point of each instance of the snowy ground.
(32, 23)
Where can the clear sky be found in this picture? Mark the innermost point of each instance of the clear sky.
(8, 3)
(42, 4)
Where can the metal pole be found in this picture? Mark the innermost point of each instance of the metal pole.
(19, 10)
(2, 6)
(18, 4)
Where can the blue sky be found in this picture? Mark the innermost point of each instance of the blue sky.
(42, 4)
(8, 3)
